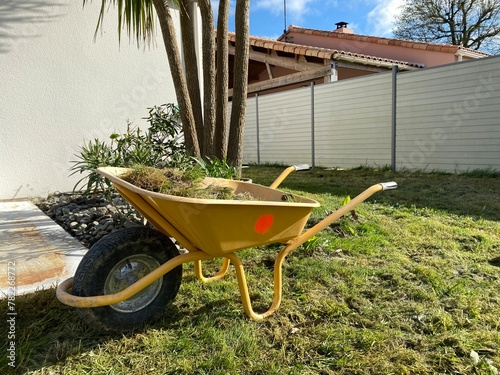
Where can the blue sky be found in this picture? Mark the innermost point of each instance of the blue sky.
(368, 17)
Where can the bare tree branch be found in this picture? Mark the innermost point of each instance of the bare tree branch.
(470, 23)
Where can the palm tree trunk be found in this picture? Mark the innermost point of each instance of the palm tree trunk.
(208, 58)
(221, 117)
(174, 58)
(235, 144)
(191, 68)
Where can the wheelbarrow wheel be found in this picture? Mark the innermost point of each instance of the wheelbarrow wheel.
(117, 261)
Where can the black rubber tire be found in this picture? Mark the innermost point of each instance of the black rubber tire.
(100, 269)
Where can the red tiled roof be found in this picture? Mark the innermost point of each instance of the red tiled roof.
(323, 53)
(438, 47)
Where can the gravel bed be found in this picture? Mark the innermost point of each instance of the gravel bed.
(89, 218)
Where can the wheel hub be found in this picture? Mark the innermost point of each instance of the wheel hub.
(127, 272)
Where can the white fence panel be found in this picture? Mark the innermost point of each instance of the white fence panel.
(448, 117)
(285, 127)
(353, 122)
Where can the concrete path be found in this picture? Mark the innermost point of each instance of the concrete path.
(35, 252)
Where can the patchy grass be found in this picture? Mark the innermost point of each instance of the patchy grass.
(182, 183)
(410, 285)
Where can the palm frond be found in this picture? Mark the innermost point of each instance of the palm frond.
(135, 16)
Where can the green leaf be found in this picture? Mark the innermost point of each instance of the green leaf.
(346, 200)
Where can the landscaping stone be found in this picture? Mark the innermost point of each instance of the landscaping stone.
(89, 218)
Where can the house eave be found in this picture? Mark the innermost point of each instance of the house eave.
(472, 54)
(387, 64)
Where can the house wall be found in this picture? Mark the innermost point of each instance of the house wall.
(421, 56)
(447, 118)
(346, 73)
(58, 88)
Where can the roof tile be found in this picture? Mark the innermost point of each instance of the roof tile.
(448, 48)
(324, 53)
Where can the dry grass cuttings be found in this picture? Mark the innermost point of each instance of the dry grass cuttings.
(180, 183)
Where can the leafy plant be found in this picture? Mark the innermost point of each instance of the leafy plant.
(345, 227)
(159, 146)
(93, 155)
(346, 200)
(314, 244)
(215, 167)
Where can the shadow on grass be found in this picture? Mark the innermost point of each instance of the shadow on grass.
(48, 332)
(495, 262)
(473, 195)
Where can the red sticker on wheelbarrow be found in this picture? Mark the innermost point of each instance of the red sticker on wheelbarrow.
(263, 223)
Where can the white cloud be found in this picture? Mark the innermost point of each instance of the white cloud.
(381, 18)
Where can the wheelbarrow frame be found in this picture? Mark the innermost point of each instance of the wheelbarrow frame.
(196, 255)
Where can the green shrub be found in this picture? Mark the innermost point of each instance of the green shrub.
(159, 146)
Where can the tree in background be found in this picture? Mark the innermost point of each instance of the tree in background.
(207, 131)
(473, 24)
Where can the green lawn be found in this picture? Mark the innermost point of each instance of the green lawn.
(410, 285)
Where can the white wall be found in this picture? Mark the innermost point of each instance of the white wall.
(58, 88)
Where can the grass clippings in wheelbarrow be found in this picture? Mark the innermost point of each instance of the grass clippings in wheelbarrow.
(181, 183)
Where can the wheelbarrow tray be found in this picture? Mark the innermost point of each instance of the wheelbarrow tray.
(217, 226)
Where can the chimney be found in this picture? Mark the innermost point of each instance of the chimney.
(342, 28)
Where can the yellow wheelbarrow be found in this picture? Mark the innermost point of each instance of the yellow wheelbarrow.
(129, 276)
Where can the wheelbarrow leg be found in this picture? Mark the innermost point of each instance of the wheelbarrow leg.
(278, 283)
(219, 275)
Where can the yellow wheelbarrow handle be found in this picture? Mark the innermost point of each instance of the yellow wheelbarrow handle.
(286, 172)
(342, 211)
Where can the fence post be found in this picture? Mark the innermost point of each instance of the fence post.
(393, 117)
(313, 151)
(257, 126)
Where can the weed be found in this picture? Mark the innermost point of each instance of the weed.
(215, 167)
